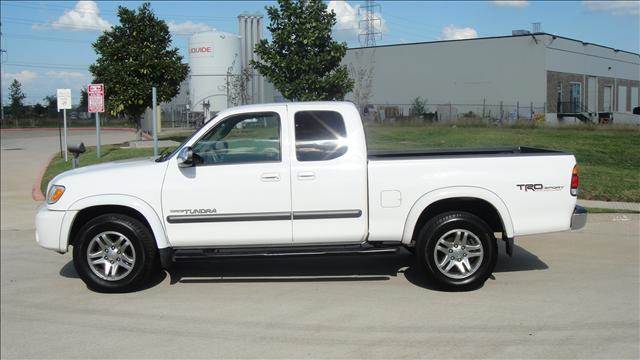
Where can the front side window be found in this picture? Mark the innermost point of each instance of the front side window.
(245, 138)
(320, 135)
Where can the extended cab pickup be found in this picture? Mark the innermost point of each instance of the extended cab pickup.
(297, 179)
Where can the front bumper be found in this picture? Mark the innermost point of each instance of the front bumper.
(579, 218)
(49, 229)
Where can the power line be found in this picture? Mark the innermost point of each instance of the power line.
(57, 8)
(48, 66)
(47, 38)
(43, 26)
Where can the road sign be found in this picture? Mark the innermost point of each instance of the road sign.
(64, 99)
(64, 103)
(95, 93)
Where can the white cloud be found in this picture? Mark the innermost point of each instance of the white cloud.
(614, 7)
(187, 27)
(85, 16)
(511, 3)
(38, 85)
(24, 76)
(452, 32)
(65, 74)
(348, 21)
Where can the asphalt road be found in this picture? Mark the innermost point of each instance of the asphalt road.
(566, 295)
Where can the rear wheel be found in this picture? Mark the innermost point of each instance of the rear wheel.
(115, 253)
(458, 250)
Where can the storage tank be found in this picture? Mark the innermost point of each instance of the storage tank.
(250, 29)
(213, 56)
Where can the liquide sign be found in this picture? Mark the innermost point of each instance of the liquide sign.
(95, 94)
(201, 51)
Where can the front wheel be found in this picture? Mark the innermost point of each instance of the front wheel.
(458, 250)
(115, 253)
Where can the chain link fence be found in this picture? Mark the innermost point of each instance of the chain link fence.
(499, 114)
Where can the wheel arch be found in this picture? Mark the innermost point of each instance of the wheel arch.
(90, 207)
(478, 201)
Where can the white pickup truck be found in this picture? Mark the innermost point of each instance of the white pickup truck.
(296, 179)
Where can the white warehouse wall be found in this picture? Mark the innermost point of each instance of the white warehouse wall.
(569, 56)
(507, 69)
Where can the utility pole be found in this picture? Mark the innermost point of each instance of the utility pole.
(2, 52)
(370, 25)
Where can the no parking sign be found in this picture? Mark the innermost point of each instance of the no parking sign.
(95, 94)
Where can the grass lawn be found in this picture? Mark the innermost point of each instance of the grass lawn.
(609, 158)
(108, 153)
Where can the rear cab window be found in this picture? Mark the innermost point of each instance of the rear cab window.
(320, 135)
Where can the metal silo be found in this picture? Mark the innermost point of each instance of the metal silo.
(250, 29)
(214, 58)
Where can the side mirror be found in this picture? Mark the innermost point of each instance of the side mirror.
(185, 157)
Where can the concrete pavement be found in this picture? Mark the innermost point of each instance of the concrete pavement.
(565, 295)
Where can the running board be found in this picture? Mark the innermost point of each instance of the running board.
(191, 254)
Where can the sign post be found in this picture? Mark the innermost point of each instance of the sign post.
(64, 103)
(95, 97)
(154, 126)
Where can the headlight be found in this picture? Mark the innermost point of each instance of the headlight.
(54, 194)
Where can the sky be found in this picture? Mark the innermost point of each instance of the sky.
(47, 44)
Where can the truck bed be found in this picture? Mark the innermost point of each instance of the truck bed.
(461, 152)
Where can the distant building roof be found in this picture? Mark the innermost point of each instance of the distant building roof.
(500, 37)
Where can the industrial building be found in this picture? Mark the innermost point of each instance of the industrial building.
(521, 76)
(530, 76)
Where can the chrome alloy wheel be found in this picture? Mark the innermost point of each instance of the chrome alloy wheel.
(111, 255)
(458, 253)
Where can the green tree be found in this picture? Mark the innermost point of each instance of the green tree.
(84, 100)
(303, 60)
(418, 107)
(39, 110)
(134, 56)
(16, 97)
(51, 103)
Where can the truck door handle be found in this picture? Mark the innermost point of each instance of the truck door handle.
(270, 177)
(306, 175)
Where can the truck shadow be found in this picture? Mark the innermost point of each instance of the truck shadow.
(344, 268)
(331, 268)
(69, 271)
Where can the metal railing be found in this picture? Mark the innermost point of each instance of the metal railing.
(571, 107)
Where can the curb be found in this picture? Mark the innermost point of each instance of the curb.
(36, 193)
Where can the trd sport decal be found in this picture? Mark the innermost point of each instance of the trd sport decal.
(539, 187)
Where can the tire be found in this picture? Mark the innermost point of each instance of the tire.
(447, 232)
(122, 241)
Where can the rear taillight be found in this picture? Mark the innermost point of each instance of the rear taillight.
(575, 181)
